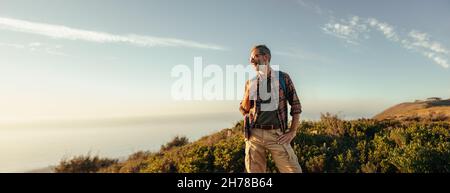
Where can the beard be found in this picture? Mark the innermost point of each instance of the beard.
(262, 68)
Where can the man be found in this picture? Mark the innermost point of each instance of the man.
(265, 103)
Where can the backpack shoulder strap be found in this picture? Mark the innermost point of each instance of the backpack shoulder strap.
(282, 81)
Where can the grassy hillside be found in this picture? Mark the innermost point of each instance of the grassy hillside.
(328, 145)
(434, 110)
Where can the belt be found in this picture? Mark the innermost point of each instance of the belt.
(266, 127)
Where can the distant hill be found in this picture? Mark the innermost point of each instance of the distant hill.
(431, 109)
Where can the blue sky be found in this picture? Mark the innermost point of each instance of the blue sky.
(87, 59)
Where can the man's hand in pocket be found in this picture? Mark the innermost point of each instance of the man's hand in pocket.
(287, 137)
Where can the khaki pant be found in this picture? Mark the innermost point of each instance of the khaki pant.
(255, 152)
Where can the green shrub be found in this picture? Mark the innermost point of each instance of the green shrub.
(84, 164)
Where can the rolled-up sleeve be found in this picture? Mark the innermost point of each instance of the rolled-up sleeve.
(292, 97)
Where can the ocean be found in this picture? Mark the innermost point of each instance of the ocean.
(27, 147)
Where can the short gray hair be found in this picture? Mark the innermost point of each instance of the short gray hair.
(262, 49)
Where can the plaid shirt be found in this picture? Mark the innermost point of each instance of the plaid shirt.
(253, 107)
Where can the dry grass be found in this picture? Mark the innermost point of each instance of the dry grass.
(423, 110)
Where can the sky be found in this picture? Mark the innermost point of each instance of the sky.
(80, 59)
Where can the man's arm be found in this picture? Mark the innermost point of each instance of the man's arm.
(296, 109)
(244, 106)
(289, 136)
(295, 123)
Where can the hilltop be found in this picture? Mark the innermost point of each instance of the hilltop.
(433, 109)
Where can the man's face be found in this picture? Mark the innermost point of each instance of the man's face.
(257, 58)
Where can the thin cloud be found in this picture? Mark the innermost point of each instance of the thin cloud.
(387, 30)
(64, 32)
(420, 42)
(437, 59)
(423, 40)
(349, 31)
(37, 47)
(352, 29)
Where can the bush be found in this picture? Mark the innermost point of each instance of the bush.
(177, 141)
(84, 164)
